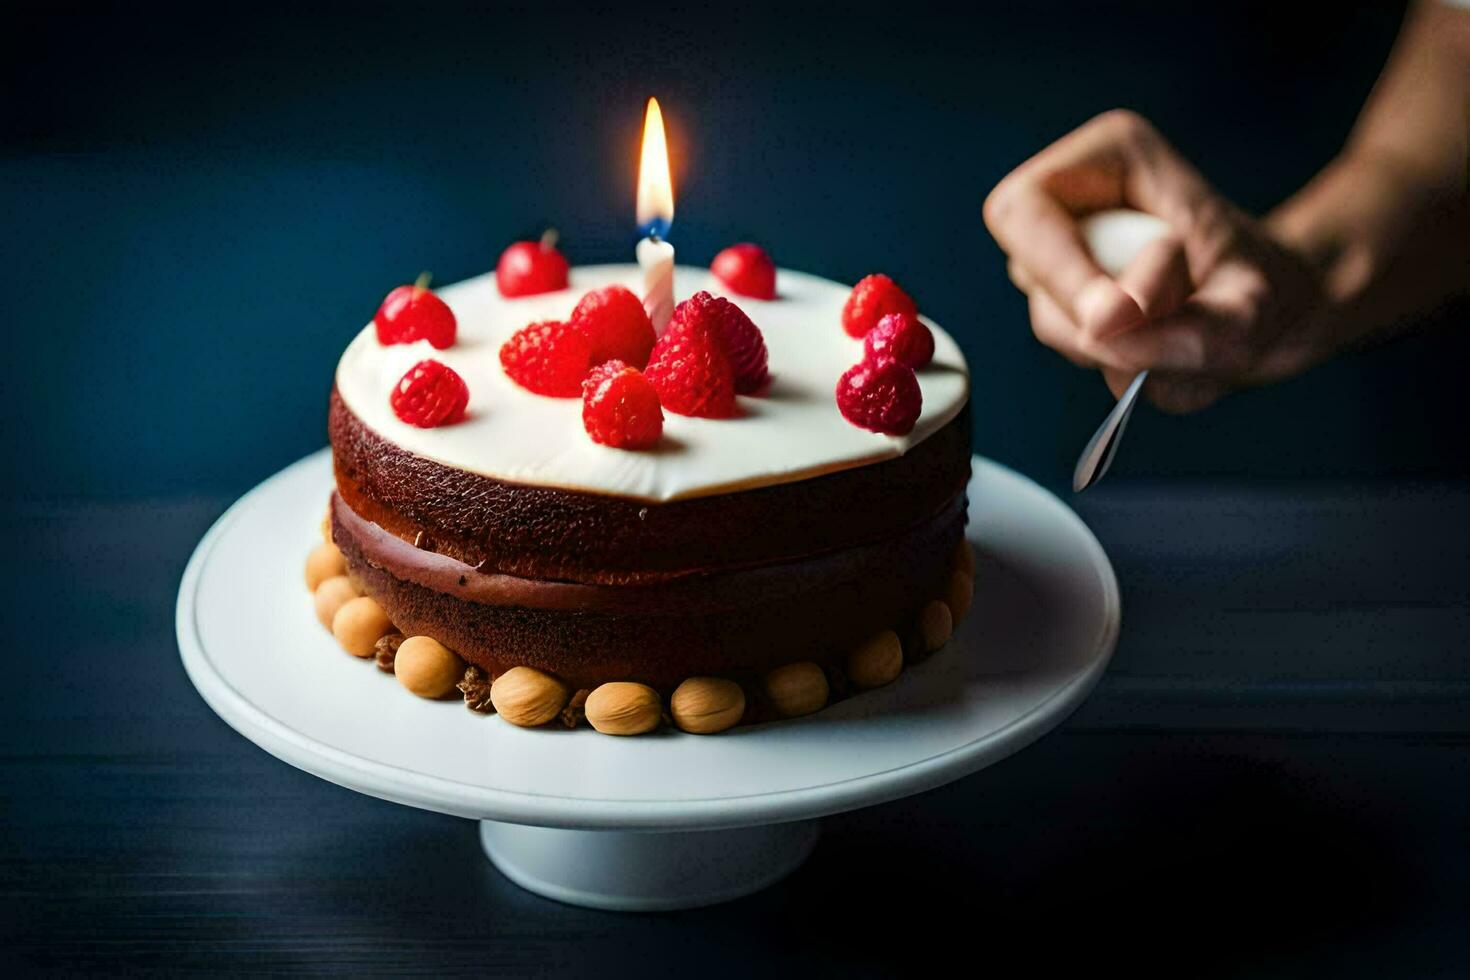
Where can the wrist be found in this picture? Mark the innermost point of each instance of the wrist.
(1342, 229)
(1385, 243)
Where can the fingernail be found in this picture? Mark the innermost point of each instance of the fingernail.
(1104, 309)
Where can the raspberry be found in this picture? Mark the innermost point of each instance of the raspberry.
(690, 372)
(602, 372)
(902, 338)
(412, 313)
(742, 340)
(616, 325)
(873, 298)
(881, 395)
(620, 407)
(746, 269)
(549, 358)
(431, 394)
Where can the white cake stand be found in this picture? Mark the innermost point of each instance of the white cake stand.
(667, 820)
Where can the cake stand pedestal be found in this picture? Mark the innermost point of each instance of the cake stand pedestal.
(632, 871)
(666, 820)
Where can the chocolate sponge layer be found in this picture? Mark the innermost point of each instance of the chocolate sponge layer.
(733, 624)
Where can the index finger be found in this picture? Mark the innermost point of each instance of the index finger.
(1028, 213)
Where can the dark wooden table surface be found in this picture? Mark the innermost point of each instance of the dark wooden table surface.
(1272, 780)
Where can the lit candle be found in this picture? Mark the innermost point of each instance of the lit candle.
(655, 216)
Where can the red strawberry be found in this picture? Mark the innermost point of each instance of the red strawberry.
(746, 269)
(549, 358)
(744, 345)
(431, 394)
(873, 298)
(616, 325)
(526, 268)
(620, 407)
(689, 370)
(902, 338)
(881, 395)
(412, 313)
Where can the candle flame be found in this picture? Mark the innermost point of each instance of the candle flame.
(655, 187)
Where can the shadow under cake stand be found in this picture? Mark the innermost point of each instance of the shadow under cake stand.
(666, 820)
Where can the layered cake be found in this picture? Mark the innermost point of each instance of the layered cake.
(743, 516)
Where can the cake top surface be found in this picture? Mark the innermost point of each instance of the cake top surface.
(793, 431)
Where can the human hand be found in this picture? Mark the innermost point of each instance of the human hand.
(1216, 304)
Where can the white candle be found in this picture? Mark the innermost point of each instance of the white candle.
(656, 215)
(656, 256)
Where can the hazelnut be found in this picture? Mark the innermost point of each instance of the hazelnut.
(705, 705)
(327, 525)
(961, 590)
(526, 697)
(877, 662)
(935, 625)
(358, 625)
(324, 562)
(427, 667)
(623, 708)
(329, 597)
(964, 558)
(796, 689)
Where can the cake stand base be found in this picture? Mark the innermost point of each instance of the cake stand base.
(647, 871)
(667, 820)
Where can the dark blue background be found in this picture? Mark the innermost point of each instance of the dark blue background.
(200, 210)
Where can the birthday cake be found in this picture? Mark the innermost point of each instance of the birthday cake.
(548, 506)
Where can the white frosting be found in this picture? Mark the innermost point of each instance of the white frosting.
(792, 432)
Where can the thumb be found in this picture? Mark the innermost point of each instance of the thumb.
(1158, 277)
(1117, 381)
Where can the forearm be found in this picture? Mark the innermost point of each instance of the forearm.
(1386, 225)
